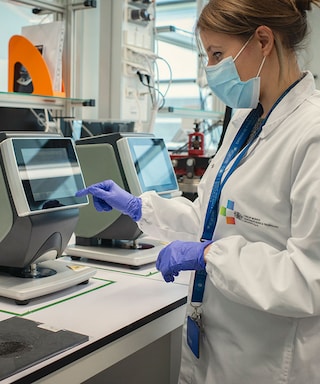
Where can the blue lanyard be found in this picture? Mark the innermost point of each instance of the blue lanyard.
(238, 142)
(212, 210)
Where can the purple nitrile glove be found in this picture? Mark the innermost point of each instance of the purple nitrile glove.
(181, 256)
(107, 195)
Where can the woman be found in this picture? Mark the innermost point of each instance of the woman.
(258, 211)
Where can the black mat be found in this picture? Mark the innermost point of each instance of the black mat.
(23, 343)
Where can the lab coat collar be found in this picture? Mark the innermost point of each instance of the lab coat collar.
(297, 95)
(288, 104)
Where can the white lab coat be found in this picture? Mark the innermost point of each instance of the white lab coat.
(261, 307)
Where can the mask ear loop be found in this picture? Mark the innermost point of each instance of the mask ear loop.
(261, 65)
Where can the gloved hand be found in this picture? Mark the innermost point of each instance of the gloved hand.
(181, 256)
(108, 195)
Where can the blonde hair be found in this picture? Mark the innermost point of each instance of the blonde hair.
(286, 18)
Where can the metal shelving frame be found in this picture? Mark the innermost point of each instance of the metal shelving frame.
(64, 106)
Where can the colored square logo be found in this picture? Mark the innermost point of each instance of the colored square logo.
(230, 205)
(228, 212)
(223, 211)
(230, 220)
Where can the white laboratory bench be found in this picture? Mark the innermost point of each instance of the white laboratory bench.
(130, 316)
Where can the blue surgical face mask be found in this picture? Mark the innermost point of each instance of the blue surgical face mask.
(224, 81)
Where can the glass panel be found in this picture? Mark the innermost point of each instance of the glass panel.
(181, 15)
(177, 58)
(183, 90)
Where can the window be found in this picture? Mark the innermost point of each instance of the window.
(181, 16)
(178, 73)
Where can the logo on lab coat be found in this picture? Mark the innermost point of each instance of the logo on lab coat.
(228, 212)
(231, 215)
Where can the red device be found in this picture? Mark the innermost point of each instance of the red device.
(196, 142)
